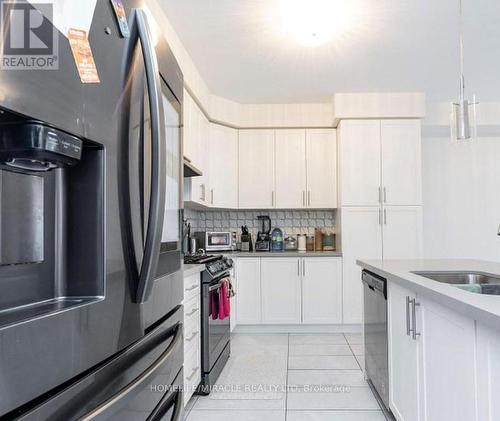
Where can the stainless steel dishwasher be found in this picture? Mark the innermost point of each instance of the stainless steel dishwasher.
(375, 334)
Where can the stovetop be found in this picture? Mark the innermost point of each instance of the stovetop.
(201, 258)
(215, 264)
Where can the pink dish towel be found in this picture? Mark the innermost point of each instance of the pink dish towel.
(224, 302)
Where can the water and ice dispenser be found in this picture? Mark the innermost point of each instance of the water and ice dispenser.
(51, 220)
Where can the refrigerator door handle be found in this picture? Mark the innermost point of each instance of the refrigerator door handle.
(140, 379)
(158, 170)
(172, 399)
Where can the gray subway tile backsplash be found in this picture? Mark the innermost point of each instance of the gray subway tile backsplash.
(292, 222)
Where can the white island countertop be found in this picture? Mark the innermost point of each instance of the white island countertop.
(482, 307)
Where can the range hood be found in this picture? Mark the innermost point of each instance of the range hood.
(190, 170)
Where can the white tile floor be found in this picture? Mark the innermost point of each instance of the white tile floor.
(290, 377)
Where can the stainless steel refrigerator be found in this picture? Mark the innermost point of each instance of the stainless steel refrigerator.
(90, 212)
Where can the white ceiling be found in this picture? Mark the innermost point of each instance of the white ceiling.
(393, 45)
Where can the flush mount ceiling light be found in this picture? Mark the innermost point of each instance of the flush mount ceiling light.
(463, 116)
(315, 22)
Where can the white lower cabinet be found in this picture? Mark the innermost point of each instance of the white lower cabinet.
(281, 292)
(192, 335)
(248, 293)
(488, 373)
(288, 290)
(321, 290)
(403, 355)
(361, 239)
(446, 352)
(431, 359)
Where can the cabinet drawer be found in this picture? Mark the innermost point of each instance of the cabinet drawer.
(191, 320)
(191, 286)
(192, 369)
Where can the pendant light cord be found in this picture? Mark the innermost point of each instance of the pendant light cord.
(461, 47)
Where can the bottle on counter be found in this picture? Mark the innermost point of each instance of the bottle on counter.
(310, 243)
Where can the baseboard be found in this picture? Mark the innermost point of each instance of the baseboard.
(351, 328)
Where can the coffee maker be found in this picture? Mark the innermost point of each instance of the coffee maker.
(263, 242)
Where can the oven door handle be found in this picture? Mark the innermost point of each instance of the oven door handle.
(152, 241)
(214, 287)
(141, 378)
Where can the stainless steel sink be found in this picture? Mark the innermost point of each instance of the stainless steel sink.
(489, 283)
(461, 277)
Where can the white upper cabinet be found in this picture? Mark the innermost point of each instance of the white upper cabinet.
(380, 162)
(189, 140)
(281, 292)
(361, 239)
(402, 232)
(321, 157)
(321, 290)
(223, 153)
(256, 169)
(196, 149)
(290, 169)
(401, 162)
(359, 162)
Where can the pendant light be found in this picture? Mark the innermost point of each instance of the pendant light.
(463, 124)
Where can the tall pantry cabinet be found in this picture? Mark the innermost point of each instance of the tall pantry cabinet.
(380, 192)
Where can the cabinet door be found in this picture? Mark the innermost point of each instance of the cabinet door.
(256, 169)
(401, 162)
(359, 162)
(402, 232)
(321, 290)
(321, 166)
(447, 355)
(189, 129)
(203, 182)
(361, 239)
(488, 373)
(281, 292)
(290, 169)
(403, 356)
(248, 297)
(223, 166)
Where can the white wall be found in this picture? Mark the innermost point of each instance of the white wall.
(461, 187)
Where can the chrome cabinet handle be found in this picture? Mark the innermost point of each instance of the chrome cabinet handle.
(192, 312)
(303, 198)
(385, 195)
(380, 194)
(298, 267)
(212, 196)
(192, 288)
(309, 198)
(272, 198)
(380, 216)
(303, 267)
(408, 328)
(202, 192)
(192, 336)
(193, 372)
(385, 216)
(415, 334)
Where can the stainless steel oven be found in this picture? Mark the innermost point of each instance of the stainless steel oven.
(375, 334)
(215, 331)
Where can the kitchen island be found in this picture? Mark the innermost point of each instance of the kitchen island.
(443, 342)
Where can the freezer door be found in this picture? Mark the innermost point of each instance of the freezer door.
(143, 382)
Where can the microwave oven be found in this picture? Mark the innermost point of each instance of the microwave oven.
(215, 240)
